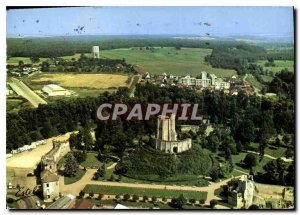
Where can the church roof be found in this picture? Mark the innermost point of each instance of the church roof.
(48, 176)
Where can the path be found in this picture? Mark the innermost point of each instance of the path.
(76, 187)
(21, 89)
(271, 157)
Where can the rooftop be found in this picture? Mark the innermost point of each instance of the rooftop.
(48, 176)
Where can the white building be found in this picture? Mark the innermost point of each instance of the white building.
(205, 81)
(55, 90)
(220, 84)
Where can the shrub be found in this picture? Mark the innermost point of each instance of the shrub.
(154, 198)
(164, 199)
(91, 195)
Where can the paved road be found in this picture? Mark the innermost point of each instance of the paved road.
(21, 89)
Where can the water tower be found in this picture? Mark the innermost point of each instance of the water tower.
(95, 52)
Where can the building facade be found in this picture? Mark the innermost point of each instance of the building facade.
(205, 81)
(166, 139)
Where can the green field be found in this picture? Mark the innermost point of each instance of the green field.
(26, 60)
(70, 180)
(100, 189)
(279, 65)
(254, 82)
(168, 60)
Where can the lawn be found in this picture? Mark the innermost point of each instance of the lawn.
(91, 161)
(274, 151)
(236, 159)
(26, 60)
(168, 60)
(70, 180)
(279, 65)
(141, 192)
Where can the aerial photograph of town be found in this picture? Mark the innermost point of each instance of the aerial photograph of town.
(150, 107)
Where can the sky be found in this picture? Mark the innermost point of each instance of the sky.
(201, 21)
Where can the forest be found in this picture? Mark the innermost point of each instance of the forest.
(242, 56)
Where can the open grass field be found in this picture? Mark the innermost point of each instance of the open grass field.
(168, 60)
(279, 65)
(83, 85)
(141, 192)
(15, 60)
(95, 81)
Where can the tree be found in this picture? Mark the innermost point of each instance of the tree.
(202, 201)
(87, 138)
(71, 166)
(81, 194)
(126, 197)
(35, 59)
(214, 174)
(91, 195)
(289, 153)
(164, 199)
(21, 63)
(213, 203)
(181, 201)
(112, 177)
(73, 141)
(135, 198)
(286, 139)
(250, 160)
(145, 198)
(80, 156)
(154, 199)
(100, 196)
(45, 67)
(192, 201)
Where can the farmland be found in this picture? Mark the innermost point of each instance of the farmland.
(82, 84)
